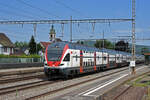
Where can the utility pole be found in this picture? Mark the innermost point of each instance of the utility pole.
(132, 63)
(103, 51)
(103, 40)
(71, 29)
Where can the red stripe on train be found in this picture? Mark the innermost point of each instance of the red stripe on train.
(81, 61)
(95, 61)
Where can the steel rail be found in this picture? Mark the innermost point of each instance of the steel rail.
(70, 86)
(11, 80)
(24, 86)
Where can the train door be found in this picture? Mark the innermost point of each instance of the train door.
(76, 58)
(105, 60)
(117, 59)
(99, 59)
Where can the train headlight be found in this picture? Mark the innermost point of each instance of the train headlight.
(61, 64)
(45, 62)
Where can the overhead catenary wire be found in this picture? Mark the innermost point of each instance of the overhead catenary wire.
(62, 27)
(37, 8)
(68, 7)
(71, 21)
(16, 14)
(2, 18)
(21, 10)
(79, 28)
(93, 29)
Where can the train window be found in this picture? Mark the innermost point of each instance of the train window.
(117, 58)
(54, 54)
(88, 63)
(92, 63)
(83, 63)
(104, 58)
(76, 58)
(98, 57)
(67, 57)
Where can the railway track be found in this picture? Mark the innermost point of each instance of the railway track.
(123, 92)
(73, 85)
(32, 85)
(11, 89)
(21, 78)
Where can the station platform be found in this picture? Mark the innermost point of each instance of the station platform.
(15, 71)
(96, 89)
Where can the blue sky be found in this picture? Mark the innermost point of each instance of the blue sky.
(78, 9)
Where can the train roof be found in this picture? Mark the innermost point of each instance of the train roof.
(61, 45)
(73, 46)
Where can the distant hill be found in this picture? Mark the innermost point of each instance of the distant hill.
(139, 48)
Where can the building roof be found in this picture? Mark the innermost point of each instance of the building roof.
(5, 41)
(147, 54)
(45, 44)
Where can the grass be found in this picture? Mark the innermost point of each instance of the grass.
(148, 96)
(137, 82)
(20, 56)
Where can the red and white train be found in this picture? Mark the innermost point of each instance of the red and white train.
(67, 59)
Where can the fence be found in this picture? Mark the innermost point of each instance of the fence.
(21, 60)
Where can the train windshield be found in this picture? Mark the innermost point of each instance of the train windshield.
(54, 54)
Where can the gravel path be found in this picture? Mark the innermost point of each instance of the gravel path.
(134, 93)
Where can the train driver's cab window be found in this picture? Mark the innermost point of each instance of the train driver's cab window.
(67, 57)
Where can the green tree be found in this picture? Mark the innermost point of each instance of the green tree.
(144, 50)
(107, 44)
(80, 42)
(122, 46)
(21, 44)
(39, 47)
(32, 46)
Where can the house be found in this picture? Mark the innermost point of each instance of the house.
(6, 46)
(21, 51)
(44, 45)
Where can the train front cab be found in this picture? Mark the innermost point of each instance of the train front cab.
(54, 55)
